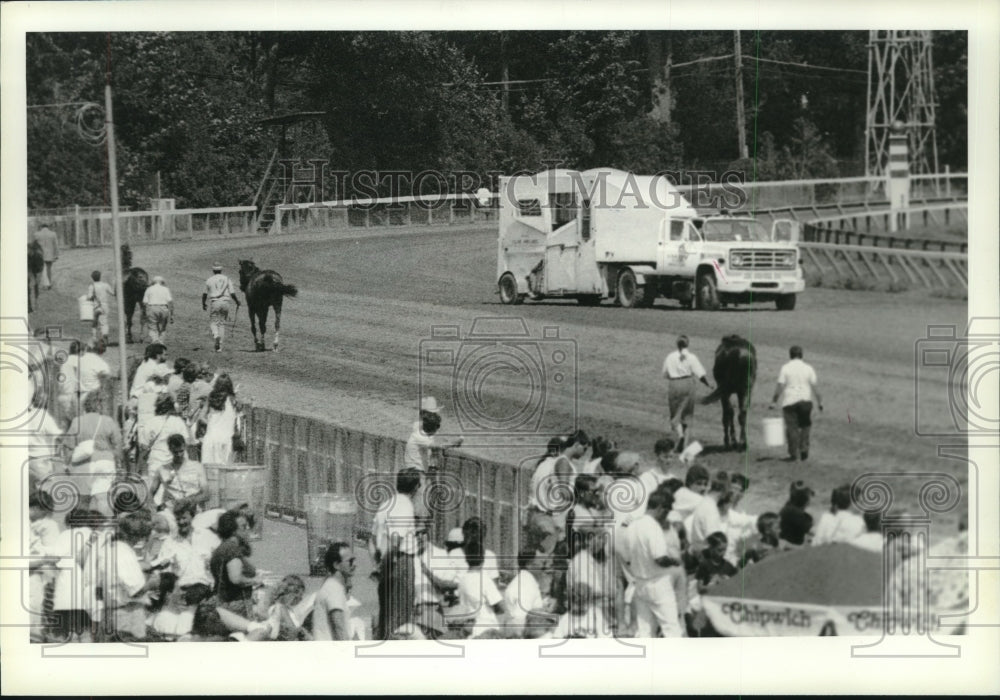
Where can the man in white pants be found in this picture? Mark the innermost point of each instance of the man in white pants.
(158, 306)
(648, 560)
(218, 291)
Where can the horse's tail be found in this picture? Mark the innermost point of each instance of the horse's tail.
(714, 396)
(288, 290)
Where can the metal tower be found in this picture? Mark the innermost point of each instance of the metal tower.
(900, 89)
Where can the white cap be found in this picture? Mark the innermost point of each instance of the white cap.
(455, 535)
(429, 403)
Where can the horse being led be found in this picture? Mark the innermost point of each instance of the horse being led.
(36, 264)
(134, 285)
(263, 289)
(735, 371)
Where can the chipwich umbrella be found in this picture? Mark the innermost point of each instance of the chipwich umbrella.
(802, 593)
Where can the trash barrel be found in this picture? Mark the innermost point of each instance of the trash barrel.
(774, 432)
(230, 485)
(86, 308)
(330, 517)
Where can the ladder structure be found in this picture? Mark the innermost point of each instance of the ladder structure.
(284, 180)
(901, 95)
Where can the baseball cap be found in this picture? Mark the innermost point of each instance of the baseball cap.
(216, 267)
(157, 278)
(430, 404)
(455, 535)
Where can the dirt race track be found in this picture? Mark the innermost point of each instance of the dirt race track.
(351, 349)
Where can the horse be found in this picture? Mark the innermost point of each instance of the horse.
(735, 371)
(36, 265)
(134, 285)
(263, 289)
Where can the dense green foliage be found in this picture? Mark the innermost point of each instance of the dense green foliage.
(188, 106)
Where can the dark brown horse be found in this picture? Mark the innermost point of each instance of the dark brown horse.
(263, 289)
(134, 283)
(36, 264)
(735, 371)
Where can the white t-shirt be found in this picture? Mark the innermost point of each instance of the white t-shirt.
(91, 368)
(331, 596)
(705, 520)
(443, 565)
(101, 292)
(478, 594)
(685, 501)
(645, 544)
(147, 370)
(188, 558)
(682, 364)
(157, 295)
(522, 596)
(842, 526)
(218, 286)
(398, 519)
(798, 379)
(415, 445)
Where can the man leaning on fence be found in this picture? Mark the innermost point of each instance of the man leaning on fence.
(218, 291)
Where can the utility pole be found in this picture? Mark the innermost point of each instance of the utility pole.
(119, 286)
(741, 131)
(504, 75)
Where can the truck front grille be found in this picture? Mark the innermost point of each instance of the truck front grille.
(762, 259)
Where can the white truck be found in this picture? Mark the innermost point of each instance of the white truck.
(607, 234)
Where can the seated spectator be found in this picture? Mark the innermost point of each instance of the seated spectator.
(794, 522)
(765, 543)
(872, 538)
(584, 619)
(522, 595)
(712, 564)
(435, 583)
(283, 611)
(474, 530)
(233, 574)
(839, 524)
(477, 594)
(187, 554)
(124, 585)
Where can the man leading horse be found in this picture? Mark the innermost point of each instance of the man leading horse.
(218, 291)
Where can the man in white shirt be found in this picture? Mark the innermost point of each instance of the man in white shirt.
(660, 471)
(158, 305)
(188, 554)
(796, 388)
(417, 454)
(737, 525)
(648, 561)
(705, 518)
(687, 497)
(218, 291)
(331, 608)
(681, 368)
(395, 547)
(839, 524)
(523, 594)
(49, 241)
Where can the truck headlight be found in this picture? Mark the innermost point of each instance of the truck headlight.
(786, 259)
(736, 259)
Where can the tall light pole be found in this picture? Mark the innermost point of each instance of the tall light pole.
(119, 274)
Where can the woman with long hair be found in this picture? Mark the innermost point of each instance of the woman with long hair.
(220, 423)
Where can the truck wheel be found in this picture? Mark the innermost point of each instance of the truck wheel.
(706, 293)
(589, 300)
(630, 293)
(508, 290)
(786, 302)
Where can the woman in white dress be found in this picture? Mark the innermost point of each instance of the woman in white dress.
(220, 424)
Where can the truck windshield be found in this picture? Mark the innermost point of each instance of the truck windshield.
(733, 230)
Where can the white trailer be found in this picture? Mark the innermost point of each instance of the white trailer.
(607, 234)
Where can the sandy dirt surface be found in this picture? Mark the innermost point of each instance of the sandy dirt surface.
(359, 345)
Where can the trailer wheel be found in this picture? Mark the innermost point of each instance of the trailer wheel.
(589, 300)
(786, 302)
(630, 293)
(508, 290)
(706, 292)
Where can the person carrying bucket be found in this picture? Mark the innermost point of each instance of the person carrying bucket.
(796, 388)
(99, 294)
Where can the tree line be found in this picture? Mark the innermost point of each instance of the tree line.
(188, 106)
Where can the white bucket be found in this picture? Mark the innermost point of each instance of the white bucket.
(774, 432)
(86, 309)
